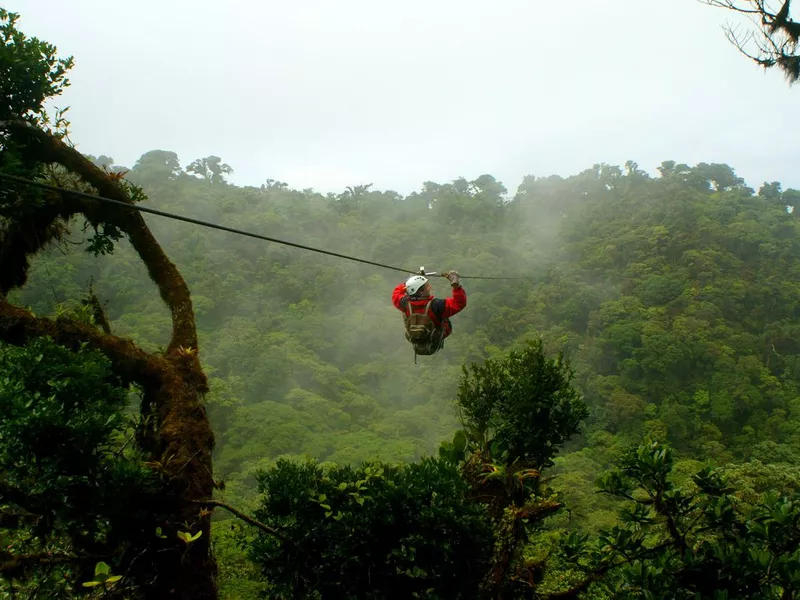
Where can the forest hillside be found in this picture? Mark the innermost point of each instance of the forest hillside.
(674, 296)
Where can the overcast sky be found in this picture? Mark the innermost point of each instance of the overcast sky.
(330, 93)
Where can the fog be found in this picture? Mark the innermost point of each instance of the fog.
(324, 95)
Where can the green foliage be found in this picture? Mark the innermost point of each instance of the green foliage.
(102, 576)
(66, 486)
(517, 411)
(30, 72)
(521, 407)
(51, 401)
(102, 242)
(375, 531)
(698, 541)
(455, 451)
(157, 167)
(239, 577)
(210, 168)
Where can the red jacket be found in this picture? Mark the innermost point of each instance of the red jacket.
(441, 309)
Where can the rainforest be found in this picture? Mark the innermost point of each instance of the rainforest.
(187, 412)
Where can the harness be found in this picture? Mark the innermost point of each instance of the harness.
(425, 336)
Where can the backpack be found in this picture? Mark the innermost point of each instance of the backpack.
(421, 331)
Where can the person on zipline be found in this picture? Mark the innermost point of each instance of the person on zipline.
(427, 319)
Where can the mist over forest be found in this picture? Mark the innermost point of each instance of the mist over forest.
(187, 412)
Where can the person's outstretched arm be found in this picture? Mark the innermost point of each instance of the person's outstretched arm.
(458, 299)
(397, 295)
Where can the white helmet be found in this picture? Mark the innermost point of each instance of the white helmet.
(414, 283)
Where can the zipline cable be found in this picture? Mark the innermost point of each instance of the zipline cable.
(191, 220)
(162, 213)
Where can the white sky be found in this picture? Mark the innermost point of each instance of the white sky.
(330, 93)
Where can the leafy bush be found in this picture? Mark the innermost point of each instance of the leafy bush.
(69, 495)
(375, 531)
(701, 542)
(521, 407)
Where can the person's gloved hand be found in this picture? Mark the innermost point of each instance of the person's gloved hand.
(452, 276)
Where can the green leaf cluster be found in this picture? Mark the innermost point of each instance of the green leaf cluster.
(373, 531)
(521, 407)
(30, 71)
(66, 487)
(700, 540)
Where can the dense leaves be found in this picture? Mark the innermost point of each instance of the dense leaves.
(374, 531)
(517, 412)
(63, 470)
(699, 541)
(30, 71)
(521, 408)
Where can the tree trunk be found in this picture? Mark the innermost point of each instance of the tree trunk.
(179, 443)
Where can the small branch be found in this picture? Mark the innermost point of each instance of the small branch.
(778, 34)
(97, 309)
(247, 519)
(731, 5)
(188, 461)
(672, 526)
(617, 495)
(600, 572)
(12, 564)
(539, 510)
(127, 441)
(18, 326)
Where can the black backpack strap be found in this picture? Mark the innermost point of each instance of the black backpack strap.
(438, 307)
